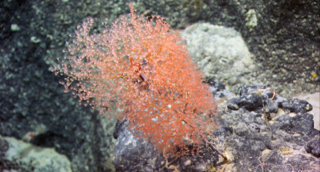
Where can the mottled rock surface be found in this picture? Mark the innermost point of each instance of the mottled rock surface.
(263, 133)
(133, 154)
(216, 50)
(313, 146)
(282, 35)
(21, 156)
(314, 100)
(269, 133)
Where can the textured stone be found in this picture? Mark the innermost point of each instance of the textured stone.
(32, 158)
(251, 140)
(314, 100)
(218, 49)
(133, 154)
(296, 105)
(253, 134)
(313, 146)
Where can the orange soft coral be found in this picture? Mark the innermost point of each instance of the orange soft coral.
(143, 66)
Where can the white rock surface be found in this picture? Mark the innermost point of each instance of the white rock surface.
(220, 52)
(34, 158)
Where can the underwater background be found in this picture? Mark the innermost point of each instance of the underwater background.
(277, 41)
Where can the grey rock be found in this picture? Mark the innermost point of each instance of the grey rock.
(233, 106)
(313, 146)
(251, 140)
(218, 90)
(296, 105)
(254, 97)
(250, 101)
(135, 154)
(253, 134)
(255, 88)
(241, 129)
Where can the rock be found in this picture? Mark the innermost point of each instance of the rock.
(314, 100)
(251, 19)
(35, 40)
(313, 146)
(219, 90)
(32, 38)
(14, 28)
(296, 105)
(254, 97)
(232, 105)
(216, 50)
(254, 133)
(246, 134)
(249, 101)
(134, 154)
(6, 165)
(256, 88)
(33, 158)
